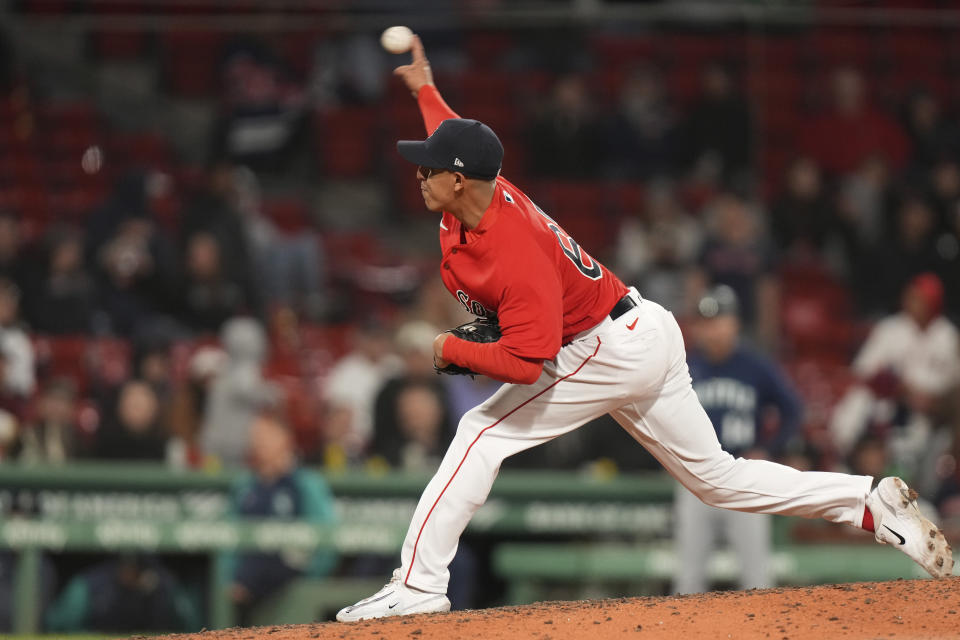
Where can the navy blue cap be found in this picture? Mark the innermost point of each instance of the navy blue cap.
(718, 301)
(458, 144)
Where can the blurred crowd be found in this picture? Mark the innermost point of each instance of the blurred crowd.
(205, 338)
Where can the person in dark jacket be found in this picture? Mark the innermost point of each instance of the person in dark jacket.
(277, 488)
(738, 388)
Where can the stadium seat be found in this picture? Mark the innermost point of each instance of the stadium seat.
(119, 45)
(290, 215)
(843, 46)
(189, 62)
(345, 141)
(623, 52)
(486, 48)
(143, 149)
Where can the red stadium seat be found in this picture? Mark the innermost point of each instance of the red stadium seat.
(119, 45)
(144, 150)
(683, 84)
(580, 209)
(290, 215)
(73, 116)
(695, 50)
(487, 48)
(915, 48)
(624, 52)
(485, 86)
(189, 62)
(75, 204)
(345, 141)
(816, 314)
(843, 46)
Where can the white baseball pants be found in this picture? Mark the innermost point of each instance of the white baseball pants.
(635, 369)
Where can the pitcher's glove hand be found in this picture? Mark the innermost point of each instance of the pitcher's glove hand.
(481, 330)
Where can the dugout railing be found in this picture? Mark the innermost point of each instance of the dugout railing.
(549, 528)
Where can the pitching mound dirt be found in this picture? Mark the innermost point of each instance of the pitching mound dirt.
(900, 609)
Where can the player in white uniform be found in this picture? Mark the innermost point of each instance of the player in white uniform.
(576, 344)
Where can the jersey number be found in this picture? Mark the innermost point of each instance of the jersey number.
(572, 250)
(577, 256)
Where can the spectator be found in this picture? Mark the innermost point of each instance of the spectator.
(212, 211)
(718, 129)
(656, 249)
(132, 428)
(277, 488)
(289, 265)
(641, 137)
(736, 253)
(52, 437)
(188, 404)
(129, 593)
(238, 394)
(944, 178)
(134, 259)
(864, 129)
(62, 301)
(906, 253)
(9, 430)
(263, 109)
(13, 263)
(908, 364)
(564, 136)
(348, 70)
(211, 294)
(948, 250)
(412, 424)
(803, 222)
(133, 286)
(871, 457)
(864, 199)
(738, 388)
(350, 394)
(932, 137)
(18, 357)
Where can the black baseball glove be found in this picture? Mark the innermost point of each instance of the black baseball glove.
(481, 330)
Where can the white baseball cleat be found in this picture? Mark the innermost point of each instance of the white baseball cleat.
(395, 599)
(898, 522)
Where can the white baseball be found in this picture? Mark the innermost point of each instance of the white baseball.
(397, 39)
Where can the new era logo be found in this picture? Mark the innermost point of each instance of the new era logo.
(458, 162)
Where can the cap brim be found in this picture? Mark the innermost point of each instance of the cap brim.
(415, 151)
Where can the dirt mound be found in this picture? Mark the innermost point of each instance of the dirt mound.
(899, 609)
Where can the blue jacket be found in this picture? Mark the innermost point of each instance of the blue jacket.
(301, 494)
(737, 394)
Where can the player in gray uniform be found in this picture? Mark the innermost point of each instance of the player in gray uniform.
(737, 387)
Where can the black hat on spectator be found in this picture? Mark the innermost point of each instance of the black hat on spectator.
(718, 301)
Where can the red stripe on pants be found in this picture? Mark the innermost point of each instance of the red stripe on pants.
(413, 558)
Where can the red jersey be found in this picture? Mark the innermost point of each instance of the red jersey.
(519, 265)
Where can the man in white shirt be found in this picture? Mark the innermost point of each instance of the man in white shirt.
(907, 365)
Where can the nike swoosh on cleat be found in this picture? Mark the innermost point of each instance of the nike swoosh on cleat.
(632, 324)
(391, 606)
(902, 540)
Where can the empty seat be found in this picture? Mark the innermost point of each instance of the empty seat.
(345, 139)
(288, 214)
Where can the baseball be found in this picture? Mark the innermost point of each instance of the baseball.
(397, 39)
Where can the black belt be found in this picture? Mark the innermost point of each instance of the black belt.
(625, 304)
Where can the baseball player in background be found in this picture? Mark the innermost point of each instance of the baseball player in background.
(738, 388)
(576, 344)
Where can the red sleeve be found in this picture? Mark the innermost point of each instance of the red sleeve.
(530, 313)
(433, 108)
(491, 360)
